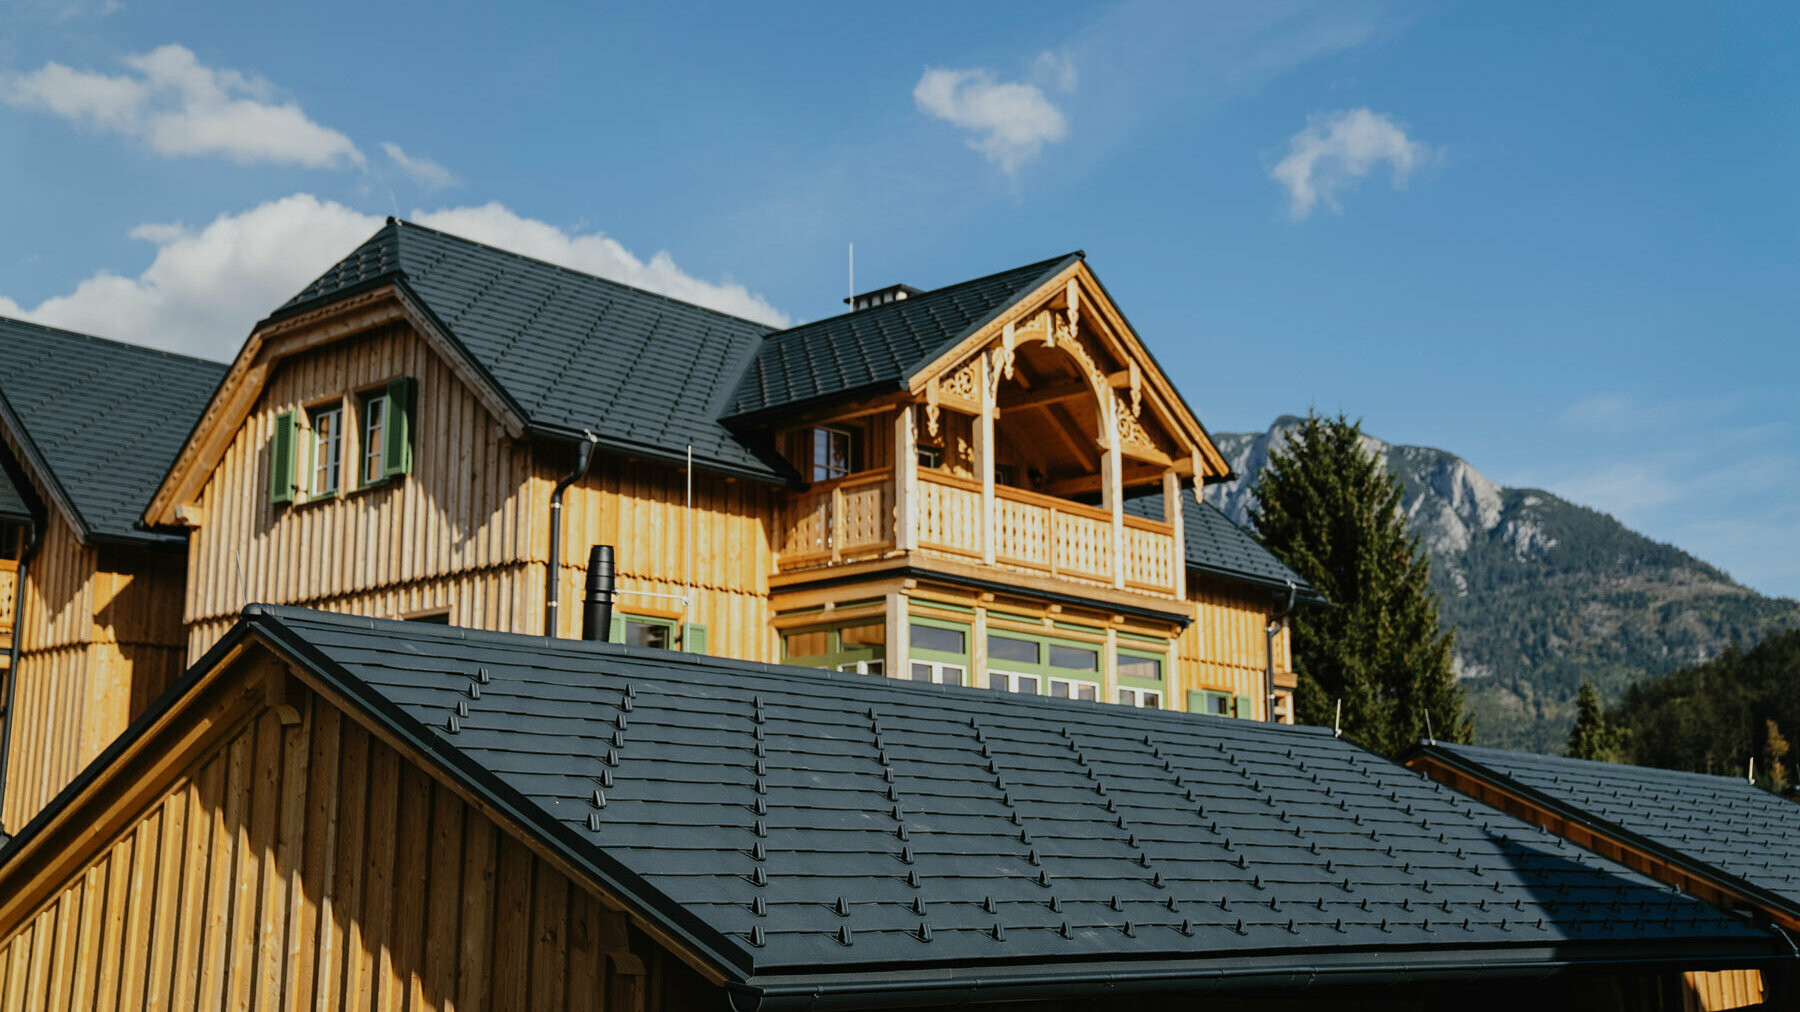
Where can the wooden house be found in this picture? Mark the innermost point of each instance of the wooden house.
(90, 603)
(336, 812)
(945, 485)
(1719, 838)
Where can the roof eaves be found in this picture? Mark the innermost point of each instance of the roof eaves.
(1699, 869)
(34, 459)
(1234, 972)
(648, 451)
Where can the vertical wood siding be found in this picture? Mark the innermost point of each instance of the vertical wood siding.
(312, 866)
(1225, 649)
(640, 509)
(459, 513)
(101, 638)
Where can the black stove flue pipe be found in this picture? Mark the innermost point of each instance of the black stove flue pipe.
(596, 606)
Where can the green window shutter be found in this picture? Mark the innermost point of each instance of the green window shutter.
(402, 402)
(693, 638)
(615, 633)
(281, 457)
(1246, 708)
(1196, 701)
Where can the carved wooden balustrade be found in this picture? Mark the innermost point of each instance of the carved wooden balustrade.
(852, 519)
(9, 588)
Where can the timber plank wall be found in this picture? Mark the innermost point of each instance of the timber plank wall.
(101, 638)
(467, 530)
(1225, 648)
(280, 855)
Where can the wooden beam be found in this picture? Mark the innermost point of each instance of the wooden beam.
(1147, 454)
(906, 479)
(1055, 393)
(984, 460)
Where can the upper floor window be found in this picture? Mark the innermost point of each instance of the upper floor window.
(834, 453)
(931, 456)
(327, 424)
(374, 436)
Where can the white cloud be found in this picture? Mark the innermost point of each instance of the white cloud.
(181, 108)
(205, 288)
(423, 171)
(1338, 149)
(1010, 121)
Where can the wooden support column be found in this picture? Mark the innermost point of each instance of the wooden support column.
(896, 661)
(906, 480)
(1173, 514)
(1112, 490)
(984, 461)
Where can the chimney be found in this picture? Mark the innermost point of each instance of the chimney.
(882, 296)
(596, 606)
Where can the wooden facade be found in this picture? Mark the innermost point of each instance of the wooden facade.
(100, 638)
(261, 849)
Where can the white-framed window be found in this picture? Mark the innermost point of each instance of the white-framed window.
(1149, 699)
(931, 456)
(938, 672)
(864, 667)
(833, 453)
(327, 449)
(1069, 688)
(374, 436)
(1013, 681)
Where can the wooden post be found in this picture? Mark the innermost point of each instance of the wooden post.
(1109, 667)
(978, 658)
(1112, 488)
(1173, 514)
(897, 626)
(906, 480)
(984, 462)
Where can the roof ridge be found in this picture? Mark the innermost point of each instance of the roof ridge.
(1626, 769)
(1075, 254)
(401, 224)
(112, 341)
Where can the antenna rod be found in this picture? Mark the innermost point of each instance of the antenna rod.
(1429, 735)
(852, 299)
(1337, 724)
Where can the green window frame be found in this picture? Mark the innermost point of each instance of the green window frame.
(1046, 677)
(864, 658)
(1162, 665)
(1213, 704)
(943, 667)
(688, 638)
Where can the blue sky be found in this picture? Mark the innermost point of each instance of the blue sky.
(1559, 240)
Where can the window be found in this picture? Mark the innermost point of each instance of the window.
(833, 453)
(374, 437)
(863, 667)
(328, 449)
(1012, 681)
(1066, 688)
(1149, 699)
(1006, 474)
(938, 673)
(1074, 658)
(931, 456)
(859, 647)
(1216, 704)
(1140, 667)
(1011, 648)
(939, 638)
(647, 632)
(430, 617)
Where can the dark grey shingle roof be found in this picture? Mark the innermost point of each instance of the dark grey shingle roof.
(106, 419)
(1217, 546)
(883, 345)
(805, 825)
(1726, 823)
(647, 373)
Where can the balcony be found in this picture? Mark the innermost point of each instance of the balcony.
(855, 519)
(9, 589)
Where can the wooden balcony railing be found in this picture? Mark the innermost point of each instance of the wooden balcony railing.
(853, 518)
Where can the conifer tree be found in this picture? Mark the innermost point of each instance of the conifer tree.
(1327, 508)
(1775, 751)
(1592, 737)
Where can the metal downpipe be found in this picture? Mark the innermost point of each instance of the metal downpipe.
(552, 583)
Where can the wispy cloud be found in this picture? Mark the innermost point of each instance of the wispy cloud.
(206, 287)
(1336, 150)
(423, 171)
(180, 107)
(1009, 121)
